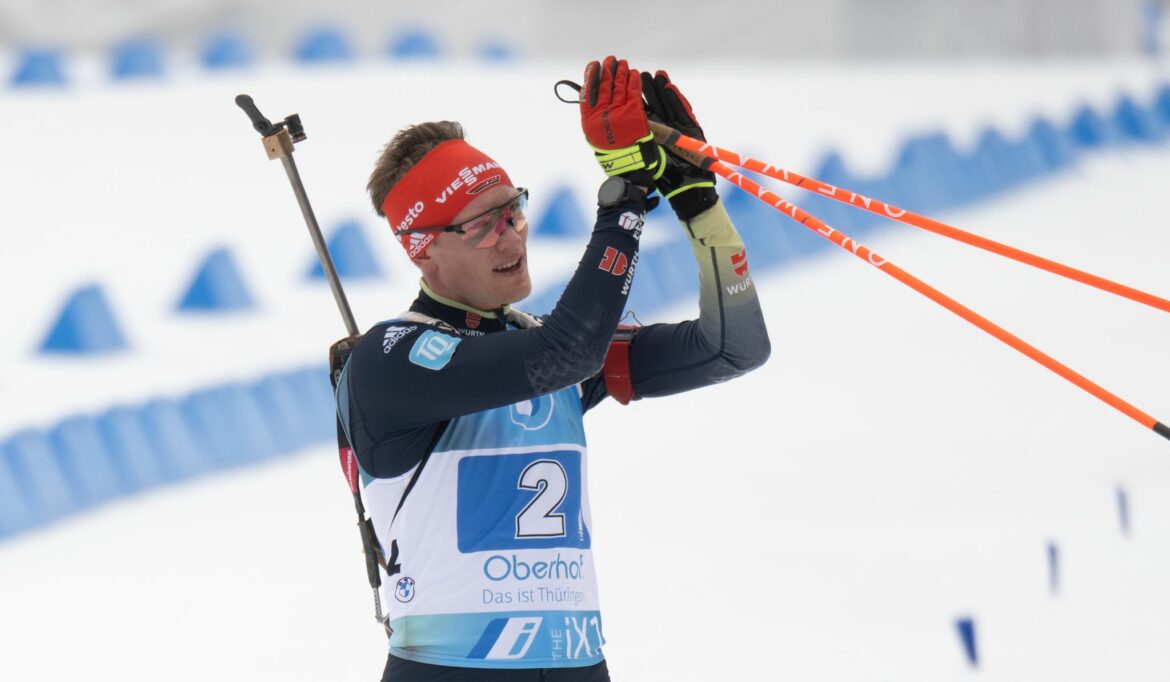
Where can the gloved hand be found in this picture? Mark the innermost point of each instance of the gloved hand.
(614, 122)
(689, 190)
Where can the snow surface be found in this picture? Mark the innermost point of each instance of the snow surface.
(828, 517)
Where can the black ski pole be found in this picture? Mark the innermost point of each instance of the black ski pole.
(279, 139)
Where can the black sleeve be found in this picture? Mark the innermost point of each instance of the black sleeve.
(593, 391)
(400, 392)
(727, 340)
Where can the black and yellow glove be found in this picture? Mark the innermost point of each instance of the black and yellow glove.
(689, 190)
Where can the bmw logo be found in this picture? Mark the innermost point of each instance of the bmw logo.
(404, 590)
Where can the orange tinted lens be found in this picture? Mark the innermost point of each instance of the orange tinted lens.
(492, 236)
(483, 226)
(485, 231)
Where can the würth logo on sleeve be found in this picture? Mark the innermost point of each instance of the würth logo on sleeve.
(739, 262)
(472, 321)
(614, 262)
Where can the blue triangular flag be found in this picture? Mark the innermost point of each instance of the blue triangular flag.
(1088, 129)
(832, 170)
(495, 51)
(225, 50)
(39, 67)
(1162, 103)
(353, 257)
(323, 45)
(137, 58)
(217, 285)
(85, 325)
(1134, 122)
(1054, 148)
(414, 44)
(563, 217)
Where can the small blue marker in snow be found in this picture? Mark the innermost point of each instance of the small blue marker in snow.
(1123, 510)
(966, 628)
(1053, 568)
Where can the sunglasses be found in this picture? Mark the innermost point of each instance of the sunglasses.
(485, 229)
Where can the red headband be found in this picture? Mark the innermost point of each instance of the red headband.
(436, 189)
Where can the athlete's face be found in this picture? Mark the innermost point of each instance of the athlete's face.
(487, 267)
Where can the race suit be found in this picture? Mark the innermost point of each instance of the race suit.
(467, 425)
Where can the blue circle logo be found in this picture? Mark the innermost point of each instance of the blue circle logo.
(534, 414)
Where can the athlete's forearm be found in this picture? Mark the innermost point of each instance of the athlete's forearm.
(730, 318)
(576, 335)
(727, 340)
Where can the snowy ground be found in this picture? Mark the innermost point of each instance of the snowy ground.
(827, 517)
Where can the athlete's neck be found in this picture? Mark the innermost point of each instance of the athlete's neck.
(458, 304)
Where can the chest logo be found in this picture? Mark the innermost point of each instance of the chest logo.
(404, 590)
(434, 350)
(534, 414)
(394, 334)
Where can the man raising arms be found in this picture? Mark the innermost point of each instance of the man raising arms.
(466, 414)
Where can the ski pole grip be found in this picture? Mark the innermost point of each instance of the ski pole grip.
(261, 124)
(667, 137)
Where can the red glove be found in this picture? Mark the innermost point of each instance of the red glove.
(611, 105)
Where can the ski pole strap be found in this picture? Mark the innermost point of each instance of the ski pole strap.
(669, 137)
(618, 382)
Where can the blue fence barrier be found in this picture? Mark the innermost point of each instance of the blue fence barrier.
(226, 48)
(85, 460)
(146, 57)
(124, 436)
(16, 513)
(36, 470)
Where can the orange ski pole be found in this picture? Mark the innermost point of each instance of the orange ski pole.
(703, 154)
(669, 136)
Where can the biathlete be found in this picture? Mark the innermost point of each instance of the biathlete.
(466, 413)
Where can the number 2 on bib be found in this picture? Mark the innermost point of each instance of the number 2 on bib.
(539, 519)
(524, 500)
